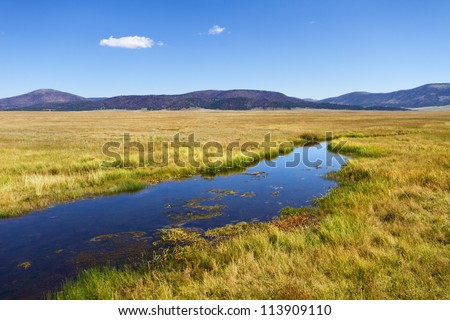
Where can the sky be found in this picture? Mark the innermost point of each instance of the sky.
(304, 48)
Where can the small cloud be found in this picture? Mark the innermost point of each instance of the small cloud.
(312, 22)
(128, 42)
(216, 29)
(160, 43)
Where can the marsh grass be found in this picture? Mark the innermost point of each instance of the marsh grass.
(384, 233)
(128, 186)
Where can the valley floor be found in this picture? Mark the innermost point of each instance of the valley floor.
(384, 233)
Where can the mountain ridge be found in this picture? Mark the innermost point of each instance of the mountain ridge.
(433, 94)
(238, 99)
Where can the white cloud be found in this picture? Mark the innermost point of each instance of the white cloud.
(128, 42)
(216, 29)
(160, 43)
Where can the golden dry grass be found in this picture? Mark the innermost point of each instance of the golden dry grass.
(384, 233)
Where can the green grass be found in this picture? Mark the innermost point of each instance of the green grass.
(128, 186)
(354, 149)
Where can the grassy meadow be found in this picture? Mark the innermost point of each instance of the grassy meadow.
(384, 233)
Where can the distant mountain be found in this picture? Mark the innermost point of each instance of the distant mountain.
(38, 97)
(208, 99)
(436, 94)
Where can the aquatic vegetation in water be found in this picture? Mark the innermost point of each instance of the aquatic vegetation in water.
(24, 265)
(195, 203)
(248, 195)
(133, 234)
(194, 209)
(115, 249)
(177, 236)
(258, 174)
(223, 192)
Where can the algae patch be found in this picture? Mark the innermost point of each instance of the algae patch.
(248, 194)
(223, 192)
(194, 209)
(133, 234)
(24, 265)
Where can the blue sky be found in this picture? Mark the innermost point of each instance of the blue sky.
(303, 48)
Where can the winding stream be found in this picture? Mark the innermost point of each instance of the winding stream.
(40, 250)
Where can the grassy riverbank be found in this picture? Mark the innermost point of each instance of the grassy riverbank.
(383, 234)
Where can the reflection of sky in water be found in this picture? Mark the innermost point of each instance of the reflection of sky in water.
(260, 193)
